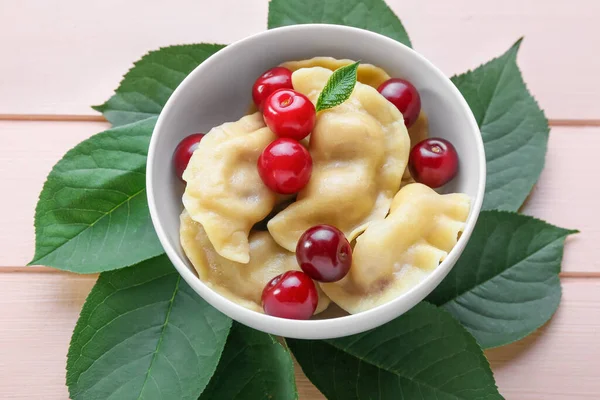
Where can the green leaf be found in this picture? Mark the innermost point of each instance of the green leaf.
(92, 214)
(143, 333)
(514, 129)
(148, 85)
(424, 354)
(338, 88)
(255, 366)
(505, 284)
(373, 15)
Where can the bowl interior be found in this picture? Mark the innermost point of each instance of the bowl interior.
(219, 91)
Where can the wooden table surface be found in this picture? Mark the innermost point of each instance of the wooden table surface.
(59, 57)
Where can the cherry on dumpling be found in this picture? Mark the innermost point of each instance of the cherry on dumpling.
(184, 151)
(285, 166)
(270, 81)
(433, 162)
(404, 96)
(289, 114)
(291, 295)
(324, 254)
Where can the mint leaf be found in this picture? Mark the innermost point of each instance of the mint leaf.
(148, 85)
(514, 129)
(338, 88)
(92, 214)
(143, 333)
(424, 354)
(254, 365)
(505, 284)
(373, 15)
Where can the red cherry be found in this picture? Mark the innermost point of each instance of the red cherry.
(270, 81)
(290, 295)
(289, 114)
(323, 252)
(184, 151)
(433, 162)
(404, 96)
(285, 166)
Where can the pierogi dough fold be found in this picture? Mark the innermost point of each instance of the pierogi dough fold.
(419, 131)
(224, 191)
(240, 283)
(397, 253)
(359, 151)
(367, 74)
(372, 76)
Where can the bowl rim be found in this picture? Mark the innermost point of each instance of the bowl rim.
(331, 327)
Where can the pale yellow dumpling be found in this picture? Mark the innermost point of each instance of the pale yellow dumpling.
(372, 76)
(395, 254)
(417, 132)
(240, 283)
(224, 191)
(359, 151)
(367, 74)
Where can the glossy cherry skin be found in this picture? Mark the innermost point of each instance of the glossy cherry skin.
(404, 96)
(285, 166)
(184, 151)
(323, 252)
(433, 162)
(289, 114)
(272, 80)
(291, 295)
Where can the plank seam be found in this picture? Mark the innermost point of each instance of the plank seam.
(100, 118)
(40, 268)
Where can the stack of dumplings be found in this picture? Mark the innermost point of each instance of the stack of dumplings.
(400, 231)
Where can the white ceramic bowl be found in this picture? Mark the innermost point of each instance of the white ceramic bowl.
(219, 90)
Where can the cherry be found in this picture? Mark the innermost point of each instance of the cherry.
(290, 295)
(323, 252)
(404, 96)
(270, 81)
(184, 151)
(285, 166)
(433, 162)
(289, 114)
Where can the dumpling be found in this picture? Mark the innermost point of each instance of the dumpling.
(224, 191)
(359, 151)
(240, 283)
(395, 254)
(372, 76)
(417, 132)
(367, 74)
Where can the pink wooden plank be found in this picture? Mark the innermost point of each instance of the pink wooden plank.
(76, 63)
(64, 67)
(38, 312)
(556, 363)
(31, 148)
(459, 35)
(28, 150)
